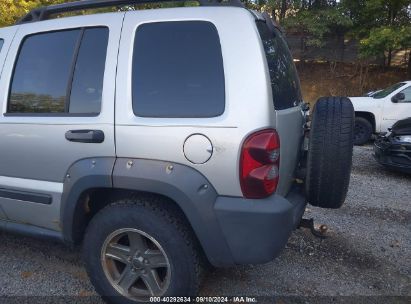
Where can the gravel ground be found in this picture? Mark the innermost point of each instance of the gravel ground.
(367, 252)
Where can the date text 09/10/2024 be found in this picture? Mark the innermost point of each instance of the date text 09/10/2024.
(203, 300)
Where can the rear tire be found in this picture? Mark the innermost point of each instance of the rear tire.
(362, 131)
(121, 271)
(330, 152)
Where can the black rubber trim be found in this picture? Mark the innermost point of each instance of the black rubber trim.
(85, 136)
(59, 114)
(31, 231)
(192, 192)
(83, 175)
(26, 196)
(73, 70)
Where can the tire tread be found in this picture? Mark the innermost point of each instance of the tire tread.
(166, 213)
(330, 152)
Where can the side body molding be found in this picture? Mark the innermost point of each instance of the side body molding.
(188, 188)
(83, 175)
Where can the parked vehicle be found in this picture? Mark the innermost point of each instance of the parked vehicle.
(376, 113)
(394, 150)
(162, 140)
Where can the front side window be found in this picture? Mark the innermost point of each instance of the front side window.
(407, 94)
(60, 72)
(178, 70)
(285, 83)
(388, 91)
(1, 43)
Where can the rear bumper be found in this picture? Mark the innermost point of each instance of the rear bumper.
(393, 155)
(257, 230)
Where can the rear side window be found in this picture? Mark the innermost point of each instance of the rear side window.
(87, 85)
(1, 43)
(53, 72)
(285, 83)
(178, 70)
(42, 73)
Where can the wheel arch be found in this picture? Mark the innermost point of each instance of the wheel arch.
(369, 116)
(92, 184)
(92, 200)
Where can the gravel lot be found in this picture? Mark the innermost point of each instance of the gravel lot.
(367, 252)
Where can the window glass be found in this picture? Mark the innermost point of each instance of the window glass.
(283, 74)
(1, 43)
(407, 93)
(87, 86)
(387, 91)
(178, 70)
(42, 73)
(60, 72)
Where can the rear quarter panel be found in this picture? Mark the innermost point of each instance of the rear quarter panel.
(246, 90)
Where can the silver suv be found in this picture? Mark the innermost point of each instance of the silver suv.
(162, 140)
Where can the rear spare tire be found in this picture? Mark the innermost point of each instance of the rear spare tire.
(330, 152)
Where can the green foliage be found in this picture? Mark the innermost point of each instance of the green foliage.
(30, 102)
(13, 10)
(369, 14)
(379, 25)
(385, 38)
(316, 24)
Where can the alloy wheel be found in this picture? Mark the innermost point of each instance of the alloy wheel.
(135, 264)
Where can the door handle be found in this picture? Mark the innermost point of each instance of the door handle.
(85, 136)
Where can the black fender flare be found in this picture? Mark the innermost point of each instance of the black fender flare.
(83, 175)
(187, 187)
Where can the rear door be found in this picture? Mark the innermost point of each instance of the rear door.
(57, 89)
(171, 85)
(6, 36)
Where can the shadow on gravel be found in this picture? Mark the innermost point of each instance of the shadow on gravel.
(49, 250)
(384, 214)
(335, 248)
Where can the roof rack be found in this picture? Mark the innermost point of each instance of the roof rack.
(44, 13)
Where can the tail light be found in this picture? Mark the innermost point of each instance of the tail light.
(259, 164)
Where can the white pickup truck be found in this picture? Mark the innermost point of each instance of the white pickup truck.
(378, 111)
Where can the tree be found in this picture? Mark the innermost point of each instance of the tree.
(385, 39)
(13, 10)
(381, 26)
(317, 23)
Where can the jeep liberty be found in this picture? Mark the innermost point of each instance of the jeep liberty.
(162, 141)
